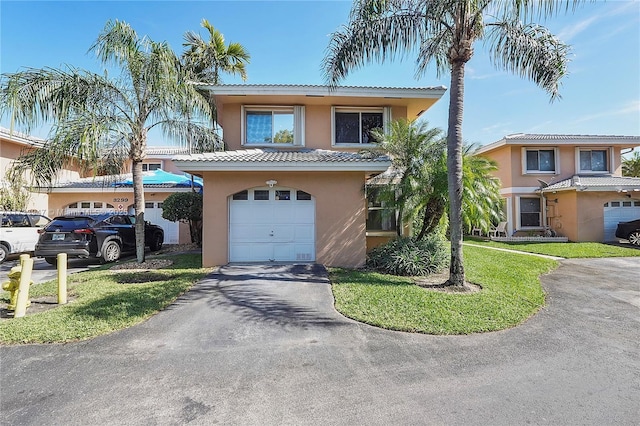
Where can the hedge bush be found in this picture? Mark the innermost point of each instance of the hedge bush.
(407, 256)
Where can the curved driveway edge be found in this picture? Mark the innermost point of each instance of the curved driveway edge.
(262, 345)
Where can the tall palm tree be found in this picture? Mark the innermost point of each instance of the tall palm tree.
(445, 32)
(99, 122)
(207, 58)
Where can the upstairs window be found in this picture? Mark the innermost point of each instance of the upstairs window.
(273, 125)
(352, 126)
(539, 160)
(593, 160)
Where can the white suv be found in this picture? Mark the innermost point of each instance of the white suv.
(19, 232)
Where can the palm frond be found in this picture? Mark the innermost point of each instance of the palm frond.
(531, 51)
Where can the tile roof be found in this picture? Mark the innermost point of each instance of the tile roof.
(595, 183)
(166, 150)
(317, 86)
(561, 137)
(272, 155)
(22, 138)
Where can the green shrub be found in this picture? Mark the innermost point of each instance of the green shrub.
(410, 257)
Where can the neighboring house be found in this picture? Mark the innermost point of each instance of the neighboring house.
(12, 145)
(115, 193)
(571, 183)
(290, 185)
(70, 193)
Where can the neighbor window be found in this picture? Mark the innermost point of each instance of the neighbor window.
(380, 217)
(593, 160)
(149, 167)
(273, 125)
(530, 212)
(540, 160)
(354, 126)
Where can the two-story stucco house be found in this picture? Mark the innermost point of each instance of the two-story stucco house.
(289, 186)
(571, 183)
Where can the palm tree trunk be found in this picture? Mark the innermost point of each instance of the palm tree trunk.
(433, 211)
(454, 166)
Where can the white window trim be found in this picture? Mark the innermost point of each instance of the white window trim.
(386, 119)
(298, 112)
(161, 162)
(609, 151)
(518, 218)
(556, 158)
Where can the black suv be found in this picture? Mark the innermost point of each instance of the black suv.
(103, 236)
(629, 231)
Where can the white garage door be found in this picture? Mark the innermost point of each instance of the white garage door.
(271, 225)
(153, 214)
(618, 211)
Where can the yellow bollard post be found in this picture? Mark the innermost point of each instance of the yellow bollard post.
(62, 278)
(23, 289)
(23, 257)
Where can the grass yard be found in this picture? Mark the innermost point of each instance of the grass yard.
(104, 301)
(511, 293)
(566, 250)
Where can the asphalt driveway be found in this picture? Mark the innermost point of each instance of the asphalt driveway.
(263, 345)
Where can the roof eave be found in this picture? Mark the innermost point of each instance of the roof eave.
(293, 166)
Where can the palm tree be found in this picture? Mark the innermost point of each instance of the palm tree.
(418, 155)
(207, 58)
(445, 32)
(100, 122)
(414, 148)
(631, 166)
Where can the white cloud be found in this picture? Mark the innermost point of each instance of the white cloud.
(632, 107)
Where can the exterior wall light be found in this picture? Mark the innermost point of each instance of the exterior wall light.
(271, 182)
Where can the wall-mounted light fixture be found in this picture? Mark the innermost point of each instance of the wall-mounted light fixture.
(271, 182)
(554, 200)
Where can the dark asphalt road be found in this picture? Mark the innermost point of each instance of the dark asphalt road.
(263, 345)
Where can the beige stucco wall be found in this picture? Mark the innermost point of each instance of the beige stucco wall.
(340, 212)
(317, 125)
(509, 158)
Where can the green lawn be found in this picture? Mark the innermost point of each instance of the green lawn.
(104, 302)
(511, 293)
(566, 250)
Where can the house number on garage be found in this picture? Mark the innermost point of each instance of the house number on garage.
(120, 200)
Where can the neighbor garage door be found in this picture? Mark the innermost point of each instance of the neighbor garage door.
(618, 211)
(153, 214)
(271, 225)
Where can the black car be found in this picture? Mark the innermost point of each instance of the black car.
(103, 236)
(629, 231)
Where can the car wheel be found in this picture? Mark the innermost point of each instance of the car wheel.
(4, 252)
(51, 260)
(634, 238)
(156, 242)
(110, 251)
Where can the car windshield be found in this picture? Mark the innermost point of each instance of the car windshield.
(70, 223)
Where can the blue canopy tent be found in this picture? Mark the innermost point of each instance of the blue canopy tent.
(160, 177)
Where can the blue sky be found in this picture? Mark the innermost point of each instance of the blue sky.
(287, 42)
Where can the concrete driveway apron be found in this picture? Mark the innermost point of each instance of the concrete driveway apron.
(263, 345)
